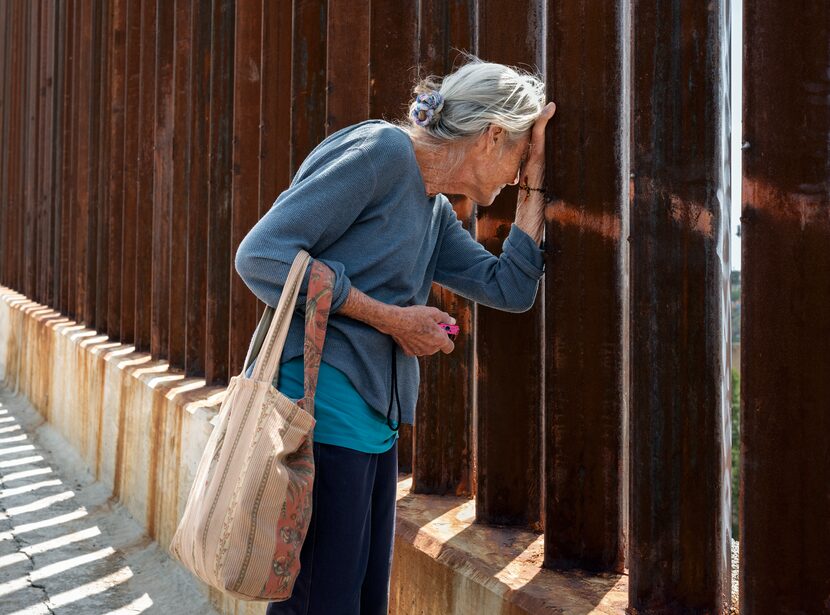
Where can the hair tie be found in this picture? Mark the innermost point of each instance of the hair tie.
(427, 107)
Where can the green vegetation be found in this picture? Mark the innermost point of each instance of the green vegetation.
(736, 447)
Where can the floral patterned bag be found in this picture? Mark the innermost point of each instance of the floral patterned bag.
(250, 503)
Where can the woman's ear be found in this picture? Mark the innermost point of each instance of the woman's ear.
(494, 134)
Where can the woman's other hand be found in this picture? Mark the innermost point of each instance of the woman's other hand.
(530, 209)
(415, 329)
(533, 171)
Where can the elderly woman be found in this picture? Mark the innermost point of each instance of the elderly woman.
(369, 203)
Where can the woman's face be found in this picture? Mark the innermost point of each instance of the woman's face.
(493, 162)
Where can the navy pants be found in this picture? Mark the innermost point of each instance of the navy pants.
(346, 558)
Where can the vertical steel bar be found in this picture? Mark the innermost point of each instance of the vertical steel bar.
(308, 79)
(29, 150)
(101, 116)
(68, 142)
(443, 451)
(84, 161)
(115, 179)
(12, 164)
(586, 291)
(46, 242)
(5, 82)
(219, 199)
(59, 29)
(197, 212)
(679, 532)
(180, 193)
(162, 180)
(275, 107)
(144, 187)
(130, 218)
(785, 331)
(509, 375)
(245, 177)
(347, 62)
(41, 212)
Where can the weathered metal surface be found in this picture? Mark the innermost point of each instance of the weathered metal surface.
(218, 316)
(180, 204)
(785, 331)
(308, 79)
(680, 531)
(246, 143)
(115, 164)
(444, 416)
(84, 252)
(50, 152)
(29, 148)
(143, 228)
(66, 170)
(586, 290)
(197, 211)
(5, 87)
(347, 63)
(274, 107)
(130, 218)
(162, 180)
(508, 346)
(104, 203)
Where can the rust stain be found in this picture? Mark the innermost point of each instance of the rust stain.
(564, 214)
(156, 452)
(805, 207)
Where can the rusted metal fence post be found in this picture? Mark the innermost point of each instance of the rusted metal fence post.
(679, 532)
(509, 375)
(443, 461)
(308, 79)
(245, 190)
(143, 228)
(115, 153)
(785, 330)
(180, 290)
(586, 286)
(347, 63)
(217, 325)
(162, 180)
(196, 341)
(129, 176)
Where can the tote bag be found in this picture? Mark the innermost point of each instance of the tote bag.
(250, 504)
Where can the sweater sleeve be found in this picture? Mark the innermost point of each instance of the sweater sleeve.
(310, 215)
(507, 282)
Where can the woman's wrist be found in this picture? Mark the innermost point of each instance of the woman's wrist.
(530, 216)
(374, 313)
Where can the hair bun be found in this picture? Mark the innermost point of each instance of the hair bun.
(427, 108)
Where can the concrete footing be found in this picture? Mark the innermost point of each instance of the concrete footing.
(140, 428)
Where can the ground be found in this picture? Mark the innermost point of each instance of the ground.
(65, 546)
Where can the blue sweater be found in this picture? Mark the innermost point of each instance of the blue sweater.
(358, 204)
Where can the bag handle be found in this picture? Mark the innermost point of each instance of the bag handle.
(318, 306)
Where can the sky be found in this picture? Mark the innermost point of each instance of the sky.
(737, 106)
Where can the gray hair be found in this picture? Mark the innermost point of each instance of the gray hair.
(476, 95)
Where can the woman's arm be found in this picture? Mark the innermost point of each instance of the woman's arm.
(311, 215)
(413, 328)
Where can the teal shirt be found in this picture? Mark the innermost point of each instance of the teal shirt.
(343, 416)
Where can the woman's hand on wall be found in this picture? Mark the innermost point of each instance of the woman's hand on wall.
(530, 210)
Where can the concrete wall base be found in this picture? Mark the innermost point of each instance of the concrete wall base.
(141, 426)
